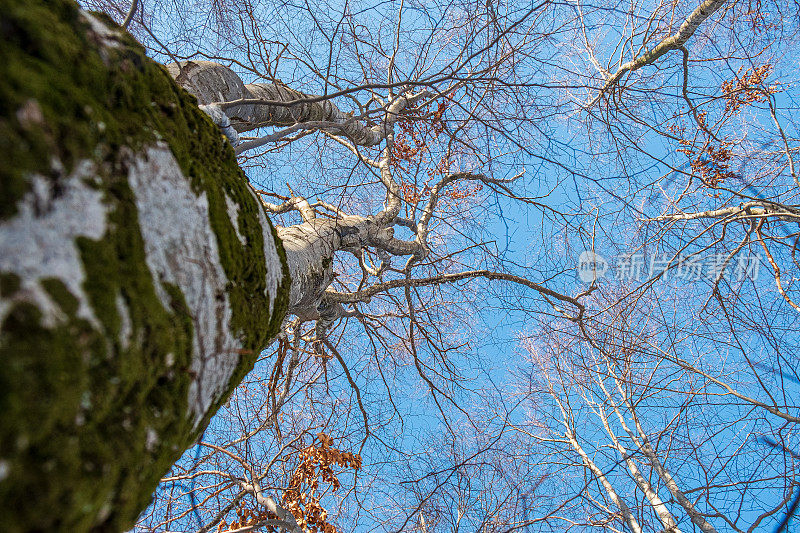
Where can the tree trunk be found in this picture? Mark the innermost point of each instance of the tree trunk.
(139, 274)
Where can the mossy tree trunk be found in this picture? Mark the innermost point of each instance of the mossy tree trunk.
(139, 274)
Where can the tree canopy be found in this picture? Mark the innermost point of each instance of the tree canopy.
(539, 263)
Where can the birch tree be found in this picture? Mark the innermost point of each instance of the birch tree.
(643, 428)
(140, 274)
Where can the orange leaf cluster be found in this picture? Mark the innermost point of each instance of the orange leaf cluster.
(247, 517)
(747, 88)
(711, 164)
(412, 194)
(417, 133)
(456, 191)
(302, 496)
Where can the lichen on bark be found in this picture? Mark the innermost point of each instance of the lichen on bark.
(93, 412)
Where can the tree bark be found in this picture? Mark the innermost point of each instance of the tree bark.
(139, 274)
(251, 106)
(309, 246)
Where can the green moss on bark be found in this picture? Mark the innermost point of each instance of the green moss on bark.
(91, 415)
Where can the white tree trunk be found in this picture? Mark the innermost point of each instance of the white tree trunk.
(139, 274)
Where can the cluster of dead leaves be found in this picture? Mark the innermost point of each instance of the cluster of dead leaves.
(247, 517)
(302, 497)
(710, 160)
(710, 163)
(418, 132)
(412, 146)
(748, 88)
(456, 191)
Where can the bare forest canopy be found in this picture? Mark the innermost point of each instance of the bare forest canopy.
(399, 265)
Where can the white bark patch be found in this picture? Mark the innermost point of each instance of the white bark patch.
(126, 328)
(233, 214)
(181, 248)
(151, 439)
(273, 260)
(305, 253)
(309, 251)
(108, 37)
(39, 242)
